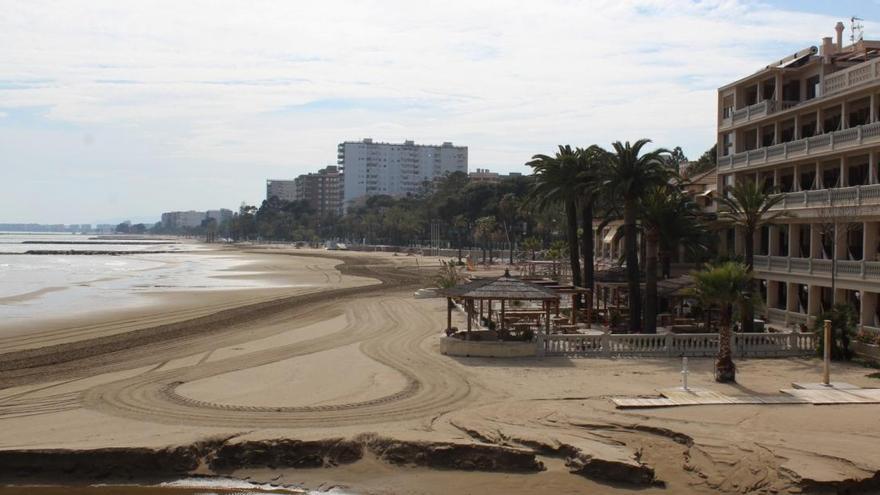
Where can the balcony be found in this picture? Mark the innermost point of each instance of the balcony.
(756, 111)
(846, 269)
(833, 84)
(847, 196)
(801, 148)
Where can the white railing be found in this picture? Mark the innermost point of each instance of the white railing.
(846, 269)
(757, 110)
(849, 78)
(855, 136)
(848, 196)
(676, 345)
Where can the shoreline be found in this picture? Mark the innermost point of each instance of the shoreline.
(345, 386)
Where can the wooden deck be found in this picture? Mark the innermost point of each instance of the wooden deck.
(697, 397)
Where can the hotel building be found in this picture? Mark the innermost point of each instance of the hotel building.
(807, 126)
(372, 168)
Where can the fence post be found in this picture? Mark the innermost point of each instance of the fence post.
(670, 339)
(605, 342)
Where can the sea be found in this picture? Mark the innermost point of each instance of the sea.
(115, 274)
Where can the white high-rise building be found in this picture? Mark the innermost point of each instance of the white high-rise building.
(372, 168)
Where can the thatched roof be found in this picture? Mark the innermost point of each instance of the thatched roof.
(509, 288)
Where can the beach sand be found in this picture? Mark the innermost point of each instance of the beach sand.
(342, 384)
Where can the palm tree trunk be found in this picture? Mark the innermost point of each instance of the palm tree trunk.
(725, 370)
(574, 256)
(651, 240)
(748, 313)
(587, 243)
(631, 247)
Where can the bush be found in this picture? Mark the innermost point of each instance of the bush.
(843, 328)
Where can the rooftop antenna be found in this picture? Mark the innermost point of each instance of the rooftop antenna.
(857, 29)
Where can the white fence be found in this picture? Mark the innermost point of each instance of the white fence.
(676, 345)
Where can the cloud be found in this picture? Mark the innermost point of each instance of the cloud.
(258, 88)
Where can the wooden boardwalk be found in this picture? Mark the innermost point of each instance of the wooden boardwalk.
(698, 397)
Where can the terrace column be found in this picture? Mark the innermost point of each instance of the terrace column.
(794, 237)
(796, 185)
(872, 168)
(840, 244)
(469, 309)
(778, 88)
(797, 128)
(869, 233)
(820, 126)
(739, 241)
(872, 113)
(772, 294)
(791, 304)
(839, 295)
(844, 116)
(815, 241)
(776, 177)
(502, 315)
(868, 308)
(842, 181)
(814, 300)
(772, 240)
(574, 298)
(776, 138)
(819, 181)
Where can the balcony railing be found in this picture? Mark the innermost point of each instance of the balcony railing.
(842, 196)
(834, 83)
(852, 77)
(846, 269)
(823, 143)
(756, 111)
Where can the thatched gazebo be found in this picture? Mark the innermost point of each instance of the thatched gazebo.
(503, 289)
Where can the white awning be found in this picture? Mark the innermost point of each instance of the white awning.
(612, 233)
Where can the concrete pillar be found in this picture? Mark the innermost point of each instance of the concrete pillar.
(872, 113)
(815, 241)
(772, 294)
(775, 177)
(839, 295)
(794, 236)
(797, 128)
(791, 305)
(844, 115)
(840, 244)
(739, 241)
(773, 232)
(870, 237)
(868, 309)
(776, 137)
(814, 300)
(820, 184)
(820, 126)
(842, 182)
(872, 168)
(778, 87)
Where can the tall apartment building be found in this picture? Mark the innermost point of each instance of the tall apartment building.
(182, 219)
(323, 190)
(372, 168)
(808, 126)
(282, 189)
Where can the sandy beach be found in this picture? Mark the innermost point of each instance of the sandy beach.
(341, 383)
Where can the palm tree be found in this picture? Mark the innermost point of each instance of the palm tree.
(669, 217)
(591, 162)
(556, 182)
(746, 205)
(724, 285)
(630, 176)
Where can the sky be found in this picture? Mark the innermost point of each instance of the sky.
(124, 109)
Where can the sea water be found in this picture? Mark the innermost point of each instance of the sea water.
(52, 285)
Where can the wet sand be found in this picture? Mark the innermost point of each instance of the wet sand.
(343, 385)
